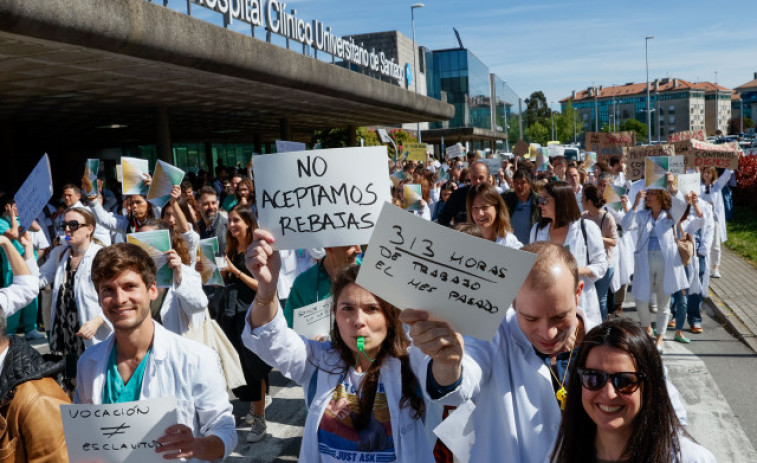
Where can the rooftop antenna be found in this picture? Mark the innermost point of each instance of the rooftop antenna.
(459, 40)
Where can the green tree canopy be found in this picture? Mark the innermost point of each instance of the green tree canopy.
(537, 110)
(537, 133)
(639, 127)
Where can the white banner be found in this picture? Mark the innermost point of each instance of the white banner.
(467, 281)
(323, 198)
(116, 433)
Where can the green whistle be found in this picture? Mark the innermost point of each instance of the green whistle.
(361, 344)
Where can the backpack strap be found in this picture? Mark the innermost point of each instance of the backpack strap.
(586, 241)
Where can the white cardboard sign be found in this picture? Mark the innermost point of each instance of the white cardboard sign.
(34, 193)
(314, 320)
(455, 151)
(467, 281)
(688, 183)
(116, 433)
(323, 198)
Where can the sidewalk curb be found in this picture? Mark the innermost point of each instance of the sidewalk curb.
(730, 319)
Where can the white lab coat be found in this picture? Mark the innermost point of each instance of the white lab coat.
(298, 359)
(185, 303)
(19, 294)
(177, 367)
(692, 225)
(509, 240)
(597, 262)
(516, 415)
(85, 294)
(622, 253)
(641, 224)
(715, 198)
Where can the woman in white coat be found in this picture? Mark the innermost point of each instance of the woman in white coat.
(562, 224)
(657, 263)
(712, 192)
(361, 390)
(77, 320)
(487, 209)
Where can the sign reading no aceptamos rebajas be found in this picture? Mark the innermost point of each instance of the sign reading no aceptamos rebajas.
(116, 433)
(323, 198)
(467, 281)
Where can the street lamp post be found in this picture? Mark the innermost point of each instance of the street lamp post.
(552, 115)
(415, 68)
(649, 115)
(741, 116)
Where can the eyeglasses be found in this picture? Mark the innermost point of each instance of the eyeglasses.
(623, 382)
(73, 225)
(542, 201)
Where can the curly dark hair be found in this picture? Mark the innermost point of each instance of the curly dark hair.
(396, 344)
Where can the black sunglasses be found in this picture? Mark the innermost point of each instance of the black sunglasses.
(73, 225)
(541, 201)
(623, 382)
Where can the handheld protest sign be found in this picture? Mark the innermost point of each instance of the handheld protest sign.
(324, 198)
(612, 196)
(637, 155)
(35, 192)
(156, 243)
(658, 167)
(520, 148)
(206, 254)
(163, 180)
(133, 172)
(688, 183)
(415, 151)
(91, 167)
(411, 197)
(314, 320)
(455, 151)
(283, 146)
(117, 433)
(466, 281)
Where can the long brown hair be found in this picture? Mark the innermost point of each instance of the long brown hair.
(655, 430)
(491, 197)
(395, 344)
(245, 213)
(566, 206)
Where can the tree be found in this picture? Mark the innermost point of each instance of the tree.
(513, 130)
(734, 125)
(340, 137)
(537, 110)
(639, 127)
(568, 125)
(537, 133)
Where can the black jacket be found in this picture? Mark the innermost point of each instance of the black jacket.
(455, 208)
(22, 364)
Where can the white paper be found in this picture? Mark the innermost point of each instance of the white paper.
(165, 177)
(494, 165)
(283, 146)
(324, 198)
(34, 194)
(314, 320)
(688, 183)
(133, 172)
(467, 281)
(455, 151)
(115, 433)
(457, 432)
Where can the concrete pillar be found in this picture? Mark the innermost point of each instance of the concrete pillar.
(285, 129)
(10, 166)
(351, 136)
(163, 135)
(257, 143)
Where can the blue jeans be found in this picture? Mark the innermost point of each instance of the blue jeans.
(603, 285)
(694, 303)
(679, 307)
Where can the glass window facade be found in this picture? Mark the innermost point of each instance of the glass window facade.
(465, 80)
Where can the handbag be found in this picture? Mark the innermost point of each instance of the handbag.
(685, 248)
(211, 335)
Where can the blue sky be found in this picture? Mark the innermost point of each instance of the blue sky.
(558, 46)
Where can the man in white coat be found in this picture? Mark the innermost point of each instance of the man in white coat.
(516, 380)
(163, 364)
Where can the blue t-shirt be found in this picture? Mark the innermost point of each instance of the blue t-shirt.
(521, 220)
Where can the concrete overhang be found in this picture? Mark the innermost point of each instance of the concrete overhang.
(69, 69)
(457, 134)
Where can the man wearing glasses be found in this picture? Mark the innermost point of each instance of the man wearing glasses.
(509, 391)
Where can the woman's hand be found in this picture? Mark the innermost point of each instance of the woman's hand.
(88, 329)
(174, 262)
(263, 262)
(175, 194)
(639, 196)
(230, 269)
(438, 340)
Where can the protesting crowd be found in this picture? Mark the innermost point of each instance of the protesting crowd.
(567, 377)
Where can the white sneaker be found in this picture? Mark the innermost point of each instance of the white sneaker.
(258, 431)
(715, 273)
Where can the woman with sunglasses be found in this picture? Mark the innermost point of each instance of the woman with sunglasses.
(487, 209)
(77, 321)
(561, 223)
(618, 407)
